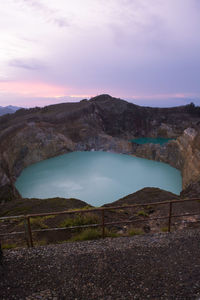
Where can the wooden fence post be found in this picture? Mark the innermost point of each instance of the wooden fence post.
(170, 217)
(26, 232)
(29, 232)
(1, 254)
(103, 224)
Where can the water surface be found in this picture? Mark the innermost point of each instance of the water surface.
(146, 140)
(95, 177)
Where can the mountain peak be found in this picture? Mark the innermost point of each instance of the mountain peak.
(9, 109)
(102, 97)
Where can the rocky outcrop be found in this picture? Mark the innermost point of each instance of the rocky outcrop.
(102, 123)
(104, 142)
(189, 145)
(168, 153)
(182, 153)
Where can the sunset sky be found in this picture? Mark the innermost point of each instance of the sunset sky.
(146, 51)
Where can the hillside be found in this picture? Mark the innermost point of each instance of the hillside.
(101, 123)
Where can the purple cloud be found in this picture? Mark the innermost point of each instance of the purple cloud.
(49, 14)
(26, 64)
(124, 47)
(61, 22)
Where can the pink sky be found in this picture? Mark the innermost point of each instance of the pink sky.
(146, 51)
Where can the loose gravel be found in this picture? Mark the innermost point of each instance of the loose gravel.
(159, 266)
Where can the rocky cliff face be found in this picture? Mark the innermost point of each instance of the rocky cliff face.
(182, 153)
(102, 123)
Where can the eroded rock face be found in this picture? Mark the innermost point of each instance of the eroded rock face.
(7, 188)
(189, 145)
(182, 153)
(33, 144)
(102, 123)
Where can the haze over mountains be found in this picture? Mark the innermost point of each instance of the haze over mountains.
(10, 109)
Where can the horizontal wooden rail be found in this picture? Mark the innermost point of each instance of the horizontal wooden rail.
(105, 208)
(28, 231)
(12, 217)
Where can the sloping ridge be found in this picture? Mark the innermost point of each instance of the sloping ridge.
(101, 123)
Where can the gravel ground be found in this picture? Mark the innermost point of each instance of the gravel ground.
(159, 266)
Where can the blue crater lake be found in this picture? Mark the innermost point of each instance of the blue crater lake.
(95, 177)
(145, 140)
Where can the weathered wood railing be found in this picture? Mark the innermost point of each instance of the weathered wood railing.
(28, 230)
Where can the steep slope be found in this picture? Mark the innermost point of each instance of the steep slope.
(102, 123)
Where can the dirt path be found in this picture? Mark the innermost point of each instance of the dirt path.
(160, 266)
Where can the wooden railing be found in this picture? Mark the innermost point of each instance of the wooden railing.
(28, 231)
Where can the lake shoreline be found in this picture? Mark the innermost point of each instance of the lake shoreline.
(93, 175)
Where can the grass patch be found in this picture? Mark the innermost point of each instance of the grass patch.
(142, 213)
(39, 222)
(9, 246)
(164, 229)
(80, 220)
(92, 234)
(118, 210)
(41, 242)
(16, 211)
(83, 208)
(149, 207)
(135, 231)
(109, 233)
(87, 234)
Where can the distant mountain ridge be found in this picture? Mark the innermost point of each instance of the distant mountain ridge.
(9, 109)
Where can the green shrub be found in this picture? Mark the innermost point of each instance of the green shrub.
(9, 246)
(92, 234)
(149, 207)
(83, 208)
(109, 233)
(42, 242)
(87, 234)
(164, 229)
(80, 220)
(142, 213)
(39, 221)
(135, 231)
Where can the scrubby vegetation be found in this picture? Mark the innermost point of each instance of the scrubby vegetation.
(92, 234)
(34, 206)
(135, 231)
(39, 222)
(142, 213)
(9, 246)
(164, 229)
(87, 234)
(80, 220)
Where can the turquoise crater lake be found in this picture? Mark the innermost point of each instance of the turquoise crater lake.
(146, 140)
(95, 177)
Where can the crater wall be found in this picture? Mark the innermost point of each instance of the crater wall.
(102, 123)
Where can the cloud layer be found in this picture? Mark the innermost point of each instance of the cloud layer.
(128, 48)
